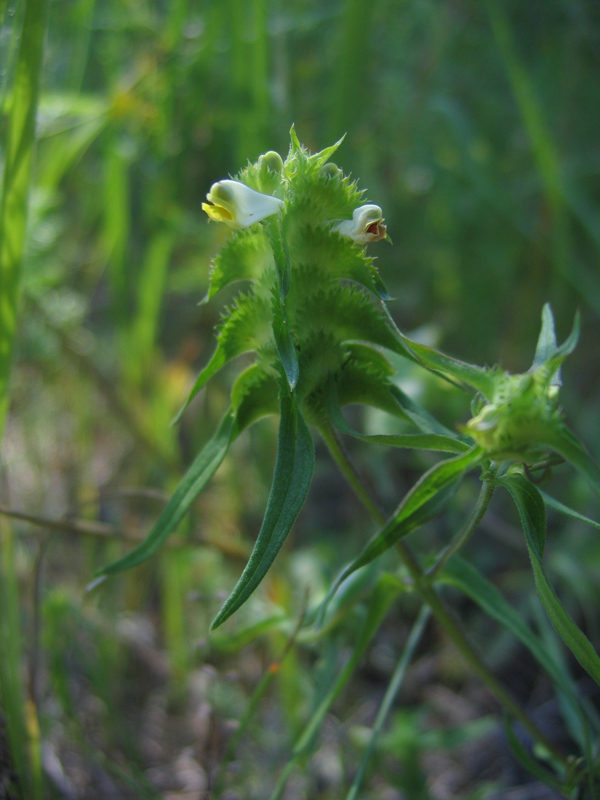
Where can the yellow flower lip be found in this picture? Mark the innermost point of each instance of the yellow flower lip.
(239, 206)
(365, 226)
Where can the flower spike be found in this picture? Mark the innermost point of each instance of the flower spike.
(238, 206)
(365, 226)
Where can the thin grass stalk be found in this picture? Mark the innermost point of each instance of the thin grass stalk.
(394, 687)
(23, 728)
(12, 692)
(15, 189)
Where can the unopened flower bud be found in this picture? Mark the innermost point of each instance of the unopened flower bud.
(237, 205)
(271, 161)
(331, 170)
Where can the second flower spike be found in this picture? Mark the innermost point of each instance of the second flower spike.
(238, 206)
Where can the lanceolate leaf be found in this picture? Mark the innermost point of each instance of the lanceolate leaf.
(567, 347)
(197, 476)
(546, 346)
(422, 503)
(291, 480)
(548, 355)
(420, 418)
(324, 155)
(530, 506)
(465, 577)
(420, 441)
(568, 512)
(476, 377)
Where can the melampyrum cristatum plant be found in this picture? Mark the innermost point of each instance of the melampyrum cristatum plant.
(312, 311)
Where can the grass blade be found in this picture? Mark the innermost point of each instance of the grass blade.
(384, 593)
(390, 695)
(15, 190)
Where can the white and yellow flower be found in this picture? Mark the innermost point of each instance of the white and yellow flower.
(237, 205)
(365, 226)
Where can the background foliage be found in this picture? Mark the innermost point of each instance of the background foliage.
(474, 126)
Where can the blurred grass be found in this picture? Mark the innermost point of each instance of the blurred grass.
(474, 126)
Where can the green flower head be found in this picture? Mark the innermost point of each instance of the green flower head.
(310, 307)
(519, 417)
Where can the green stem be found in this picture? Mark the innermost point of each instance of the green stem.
(332, 439)
(483, 501)
(431, 598)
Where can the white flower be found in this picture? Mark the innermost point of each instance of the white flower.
(365, 226)
(237, 205)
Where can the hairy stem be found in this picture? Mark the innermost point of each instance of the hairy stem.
(432, 599)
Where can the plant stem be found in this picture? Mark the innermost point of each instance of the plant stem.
(432, 599)
(334, 443)
(483, 501)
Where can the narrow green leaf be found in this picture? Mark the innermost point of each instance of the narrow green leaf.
(546, 345)
(476, 377)
(568, 512)
(324, 155)
(422, 503)
(421, 418)
(530, 506)
(295, 143)
(421, 441)
(463, 576)
(197, 476)
(556, 355)
(291, 479)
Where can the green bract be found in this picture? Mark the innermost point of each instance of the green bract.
(515, 423)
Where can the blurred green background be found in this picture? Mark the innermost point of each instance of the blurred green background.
(475, 126)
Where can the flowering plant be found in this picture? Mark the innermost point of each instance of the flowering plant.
(312, 312)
